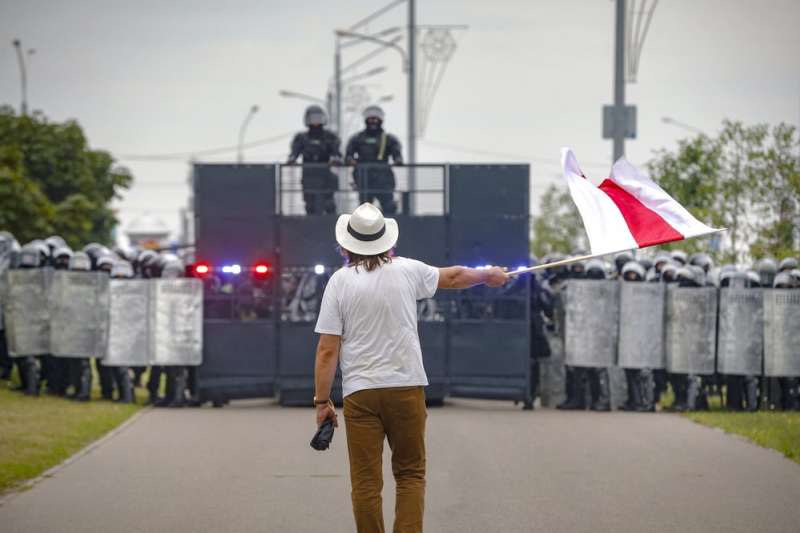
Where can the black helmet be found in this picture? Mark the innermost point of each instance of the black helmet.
(679, 256)
(633, 271)
(315, 115)
(788, 263)
(622, 259)
(373, 111)
(595, 269)
(702, 260)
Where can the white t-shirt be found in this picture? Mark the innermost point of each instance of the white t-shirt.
(376, 315)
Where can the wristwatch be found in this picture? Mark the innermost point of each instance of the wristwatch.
(321, 402)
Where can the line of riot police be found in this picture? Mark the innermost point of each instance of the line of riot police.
(617, 335)
(369, 151)
(62, 308)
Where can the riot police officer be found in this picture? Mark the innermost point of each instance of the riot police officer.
(318, 147)
(787, 264)
(370, 150)
(789, 386)
(145, 267)
(176, 375)
(9, 248)
(741, 390)
(104, 263)
(767, 268)
(639, 380)
(58, 367)
(31, 256)
(80, 368)
(122, 269)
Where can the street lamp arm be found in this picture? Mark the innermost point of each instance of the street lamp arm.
(388, 44)
(301, 96)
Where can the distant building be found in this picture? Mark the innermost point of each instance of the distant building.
(147, 231)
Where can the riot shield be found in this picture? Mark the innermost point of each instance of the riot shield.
(782, 333)
(691, 330)
(592, 322)
(129, 324)
(641, 325)
(176, 327)
(79, 314)
(741, 331)
(27, 311)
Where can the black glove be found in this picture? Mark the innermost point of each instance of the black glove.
(322, 439)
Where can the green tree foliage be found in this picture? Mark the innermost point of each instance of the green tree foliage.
(747, 179)
(52, 182)
(558, 227)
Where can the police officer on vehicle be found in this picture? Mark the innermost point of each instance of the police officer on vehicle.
(370, 150)
(318, 147)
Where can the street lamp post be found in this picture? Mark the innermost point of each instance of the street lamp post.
(242, 129)
(672, 121)
(23, 75)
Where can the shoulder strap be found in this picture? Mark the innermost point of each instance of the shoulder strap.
(383, 147)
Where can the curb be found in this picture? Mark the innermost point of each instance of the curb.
(86, 450)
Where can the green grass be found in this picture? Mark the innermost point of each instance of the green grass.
(39, 433)
(771, 429)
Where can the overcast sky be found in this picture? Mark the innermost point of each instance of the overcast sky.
(529, 76)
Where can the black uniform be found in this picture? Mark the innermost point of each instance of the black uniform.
(317, 146)
(370, 150)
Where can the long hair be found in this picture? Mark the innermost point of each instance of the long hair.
(369, 262)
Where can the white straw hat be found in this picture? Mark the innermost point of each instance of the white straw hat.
(366, 232)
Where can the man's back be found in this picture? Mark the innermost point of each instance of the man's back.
(375, 314)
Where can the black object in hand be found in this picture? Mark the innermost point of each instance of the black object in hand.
(322, 439)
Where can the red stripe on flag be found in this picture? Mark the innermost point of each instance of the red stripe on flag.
(647, 226)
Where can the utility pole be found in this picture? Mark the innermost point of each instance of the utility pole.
(242, 130)
(412, 83)
(23, 76)
(337, 67)
(619, 83)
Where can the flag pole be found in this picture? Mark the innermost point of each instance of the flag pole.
(581, 258)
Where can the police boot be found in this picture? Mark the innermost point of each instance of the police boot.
(85, 385)
(751, 392)
(178, 397)
(31, 371)
(633, 400)
(696, 399)
(106, 380)
(646, 387)
(601, 393)
(124, 385)
(678, 382)
(733, 393)
(576, 397)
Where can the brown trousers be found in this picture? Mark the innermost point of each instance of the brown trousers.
(397, 414)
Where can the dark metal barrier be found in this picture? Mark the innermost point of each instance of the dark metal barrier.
(259, 332)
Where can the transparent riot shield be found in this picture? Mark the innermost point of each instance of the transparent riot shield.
(129, 324)
(79, 314)
(782, 333)
(691, 330)
(176, 315)
(641, 325)
(592, 322)
(741, 331)
(27, 311)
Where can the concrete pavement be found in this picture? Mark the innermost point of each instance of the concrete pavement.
(248, 467)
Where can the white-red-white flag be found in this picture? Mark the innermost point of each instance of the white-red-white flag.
(627, 210)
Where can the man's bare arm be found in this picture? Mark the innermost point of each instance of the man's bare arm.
(459, 277)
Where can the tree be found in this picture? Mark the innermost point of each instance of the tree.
(747, 180)
(68, 186)
(691, 175)
(558, 228)
(777, 191)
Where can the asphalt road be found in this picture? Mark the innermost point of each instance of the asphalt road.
(492, 468)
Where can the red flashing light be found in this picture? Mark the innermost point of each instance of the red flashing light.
(262, 270)
(202, 269)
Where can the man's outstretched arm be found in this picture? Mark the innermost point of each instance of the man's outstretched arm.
(459, 277)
